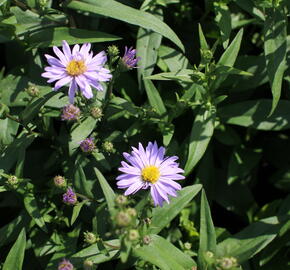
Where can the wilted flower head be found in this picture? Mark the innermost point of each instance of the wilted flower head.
(129, 60)
(70, 112)
(69, 197)
(148, 168)
(97, 113)
(78, 68)
(90, 238)
(88, 145)
(65, 265)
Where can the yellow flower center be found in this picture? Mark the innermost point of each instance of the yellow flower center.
(75, 68)
(150, 174)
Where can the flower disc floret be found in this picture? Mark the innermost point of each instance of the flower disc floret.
(149, 168)
(77, 68)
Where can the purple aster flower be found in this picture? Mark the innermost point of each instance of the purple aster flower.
(87, 145)
(148, 168)
(69, 197)
(65, 265)
(70, 112)
(129, 59)
(78, 68)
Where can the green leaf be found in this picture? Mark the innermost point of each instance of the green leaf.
(183, 75)
(49, 37)
(228, 58)
(275, 46)
(148, 43)
(163, 254)
(252, 239)
(207, 239)
(33, 109)
(107, 190)
(80, 132)
(219, 70)
(154, 98)
(94, 254)
(15, 257)
(32, 208)
(127, 14)
(201, 133)
(162, 216)
(224, 21)
(8, 130)
(253, 113)
(202, 40)
(174, 59)
(76, 210)
(249, 6)
(10, 231)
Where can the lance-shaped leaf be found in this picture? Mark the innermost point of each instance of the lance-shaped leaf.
(15, 257)
(49, 37)
(228, 58)
(253, 113)
(162, 216)
(252, 239)
(107, 190)
(148, 43)
(127, 14)
(275, 46)
(163, 254)
(201, 133)
(207, 239)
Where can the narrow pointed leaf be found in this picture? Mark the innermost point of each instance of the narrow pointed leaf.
(15, 257)
(127, 14)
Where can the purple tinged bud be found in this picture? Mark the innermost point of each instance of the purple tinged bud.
(65, 265)
(129, 59)
(88, 145)
(69, 197)
(70, 112)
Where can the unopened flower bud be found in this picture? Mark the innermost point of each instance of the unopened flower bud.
(209, 254)
(90, 238)
(123, 219)
(227, 262)
(121, 200)
(132, 212)
(88, 265)
(133, 235)
(96, 113)
(12, 181)
(59, 181)
(88, 145)
(70, 113)
(32, 90)
(187, 245)
(69, 197)
(206, 55)
(108, 147)
(146, 239)
(113, 51)
(65, 265)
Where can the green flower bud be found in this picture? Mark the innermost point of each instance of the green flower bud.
(146, 239)
(123, 219)
(133, 235)
(88, 265)
(59, 181)
(90, 238)
(187, 245)
(12, 181)
(108, 147)
(32, 90)
(227, 262)
(121, 200)
(113, 51)
(132, 212)
(96, 113)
